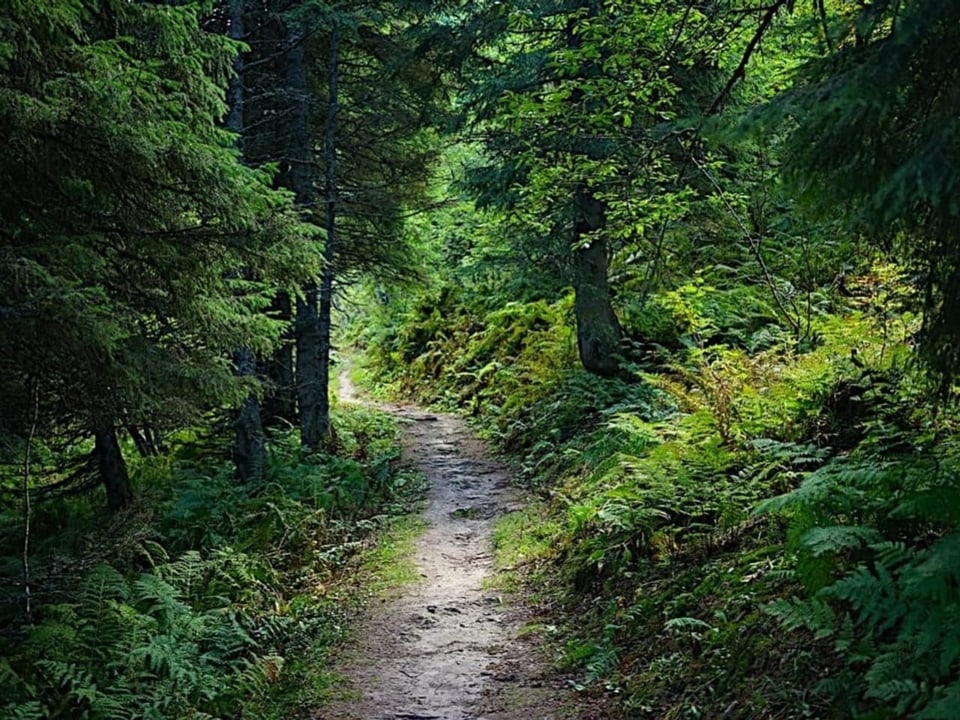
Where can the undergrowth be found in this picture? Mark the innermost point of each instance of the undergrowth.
(209, 599)
(741, 524)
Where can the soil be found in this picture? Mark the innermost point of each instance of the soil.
(449, 647)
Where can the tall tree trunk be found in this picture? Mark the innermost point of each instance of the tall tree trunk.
(329, 250)
(250, 443)
(280, 402)
(598, 330)
(112, 467)
(300, 158)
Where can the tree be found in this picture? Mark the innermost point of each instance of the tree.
(378, 94)
(278, 122)
(250, 443)
(342, 85)
(589, 112)
(127, 224)
(878, 144)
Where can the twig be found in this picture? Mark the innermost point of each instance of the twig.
(26, 497)
(741, 70)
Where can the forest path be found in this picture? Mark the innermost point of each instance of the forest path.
(448, 648)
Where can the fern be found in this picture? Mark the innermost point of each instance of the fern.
(815, 615)
(893, 608)
(943, 705)
(31, 710)
(838, 538)
(687, 624)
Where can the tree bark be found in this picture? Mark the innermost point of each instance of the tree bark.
(249, 452)
(308, 368)
(598, 330)
(300, 177)
(329, 250)
(112, 467)
(280, 402)
(143, 440)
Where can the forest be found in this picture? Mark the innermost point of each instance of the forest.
(692, 268)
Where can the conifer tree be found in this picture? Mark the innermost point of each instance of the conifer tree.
(345, 136)
(127, 224)
(878, 144)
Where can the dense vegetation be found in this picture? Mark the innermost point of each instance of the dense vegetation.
(168, 539)
(747, 504)
(695, 265)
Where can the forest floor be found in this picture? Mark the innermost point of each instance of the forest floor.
(451, 646)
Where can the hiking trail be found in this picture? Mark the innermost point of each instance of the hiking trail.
(448, 647)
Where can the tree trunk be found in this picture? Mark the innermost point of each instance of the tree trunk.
(235, 89)
(300, 158)
(112, 467)
(280, 402)
(329, 250)
(249, 452)
(143, 440)
(308, 368)
(598, 330)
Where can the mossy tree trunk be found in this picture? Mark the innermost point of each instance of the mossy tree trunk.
(598, 330)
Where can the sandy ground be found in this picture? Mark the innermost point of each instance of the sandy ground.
(449, 648)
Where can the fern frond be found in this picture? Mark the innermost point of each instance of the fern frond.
(160, 599)
(838, 538)
(32, 710)
(814, 615)
(103, 583)
(185, 573)
(945, 704)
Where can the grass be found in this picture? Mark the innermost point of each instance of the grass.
(523, 537)
(389, 566)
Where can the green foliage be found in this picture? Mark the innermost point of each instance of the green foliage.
(139, 251)
(646, 535)
(770, 350)
(127, 644)
(767, 357)
(211, 605)
(872, 128)
(892, 554)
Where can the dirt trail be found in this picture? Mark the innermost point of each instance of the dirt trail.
(448, 648)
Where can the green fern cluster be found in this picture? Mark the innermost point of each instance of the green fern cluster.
(200, 598)
(127, 648)
(877, 540)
